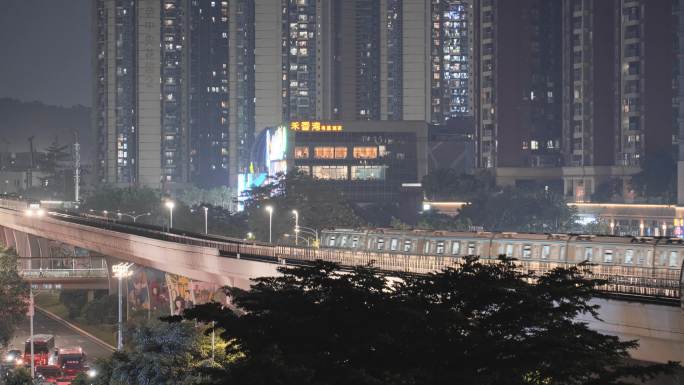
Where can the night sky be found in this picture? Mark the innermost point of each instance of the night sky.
(45, 51)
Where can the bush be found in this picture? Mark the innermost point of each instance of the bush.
(102, 310)
(74, 301)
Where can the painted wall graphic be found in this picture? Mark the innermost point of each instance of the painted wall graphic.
(153, 294)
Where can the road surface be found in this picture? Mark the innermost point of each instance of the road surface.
(64, 336)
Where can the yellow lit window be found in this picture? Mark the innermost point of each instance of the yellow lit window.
(365, 152)
(324, 152)
(340, 152)
(301, 152)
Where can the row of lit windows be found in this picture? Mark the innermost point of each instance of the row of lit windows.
(342, 172)
(330, 152)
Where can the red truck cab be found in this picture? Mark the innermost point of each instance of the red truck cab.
(43, 348)
(71, 361)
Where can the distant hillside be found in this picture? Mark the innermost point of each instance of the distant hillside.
(20, 120)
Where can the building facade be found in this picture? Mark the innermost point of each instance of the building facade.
(171, 107)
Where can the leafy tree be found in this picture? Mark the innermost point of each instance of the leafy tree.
(14, 294)
(102, 310)
(74, 301)
(435, 221)
(320, 206)
(606, 191)
(18, 376)
(658, 177)
(517, 209)
(449, 184)
(216, 197)
(480, 323)
(158, 354)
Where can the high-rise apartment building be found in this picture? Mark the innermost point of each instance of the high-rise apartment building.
(518, 103)
(174, 91)
(619, 75)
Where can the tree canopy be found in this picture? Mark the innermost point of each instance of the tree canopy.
(480, 323)
(14, 294)
(319, 206)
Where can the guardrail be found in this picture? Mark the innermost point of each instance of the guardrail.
(64, 273)
(640, 281)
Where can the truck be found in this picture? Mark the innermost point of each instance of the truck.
(72, 361)
(43, 349)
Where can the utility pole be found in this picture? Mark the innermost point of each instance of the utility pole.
(77, 168)
(29, 173)
(31, 312)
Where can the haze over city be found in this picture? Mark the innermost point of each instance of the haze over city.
(341, 191)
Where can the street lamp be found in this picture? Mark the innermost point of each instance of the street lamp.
(170, 205)
(612, 228)
(296, 229)
(641, 229)
(121, 271)
(664, 229)
(206, 222)
(270, 223)
(132, 216)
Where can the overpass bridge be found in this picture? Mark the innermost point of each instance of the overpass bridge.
(656, 318)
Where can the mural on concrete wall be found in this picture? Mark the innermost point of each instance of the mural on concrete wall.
(153, 294)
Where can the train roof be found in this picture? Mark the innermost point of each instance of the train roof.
(41, 338)
(71, 350)
(603, 238)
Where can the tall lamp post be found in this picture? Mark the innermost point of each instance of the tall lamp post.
(206, 221)
(132, 216)
(121, 271)
(170, 205)
(296, 229)
(270, 223)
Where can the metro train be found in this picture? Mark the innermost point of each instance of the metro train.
(658, 255)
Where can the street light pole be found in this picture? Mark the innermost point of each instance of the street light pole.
(296, 229)
(206, 222)
(270, 223)
(121, 271)
(170, 205)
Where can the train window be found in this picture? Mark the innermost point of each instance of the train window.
(355, 242)
(472, 250)
(393, 244)
(561, 256)
(546, 251)
(426, 247)
(663, 257)
(381, 243)
(407, 246)
(673, 259)
(608, 256)
(440, 247)
(629, 256)
(588, 254)
(527, 251)
(343, 241)
(331, 240)
(501, 249)
(455, 247)
(509, 250)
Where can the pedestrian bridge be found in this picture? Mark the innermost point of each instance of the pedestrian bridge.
(657, 321)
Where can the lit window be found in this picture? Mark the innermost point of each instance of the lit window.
(407, 246)
(588, 254)
(324, 152)
(455, 247)
(301, 152)
(368, 172)
(509, 250)
(365, 152)
(546, 251)
(330, 172)
(381, 244)
(355, 242)
(673, 259)
(340, 152)
(608, 256)
(629, 256)
(527, 251)
(393, 244)
(472, 250)
(534, 145)
(440, 247)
